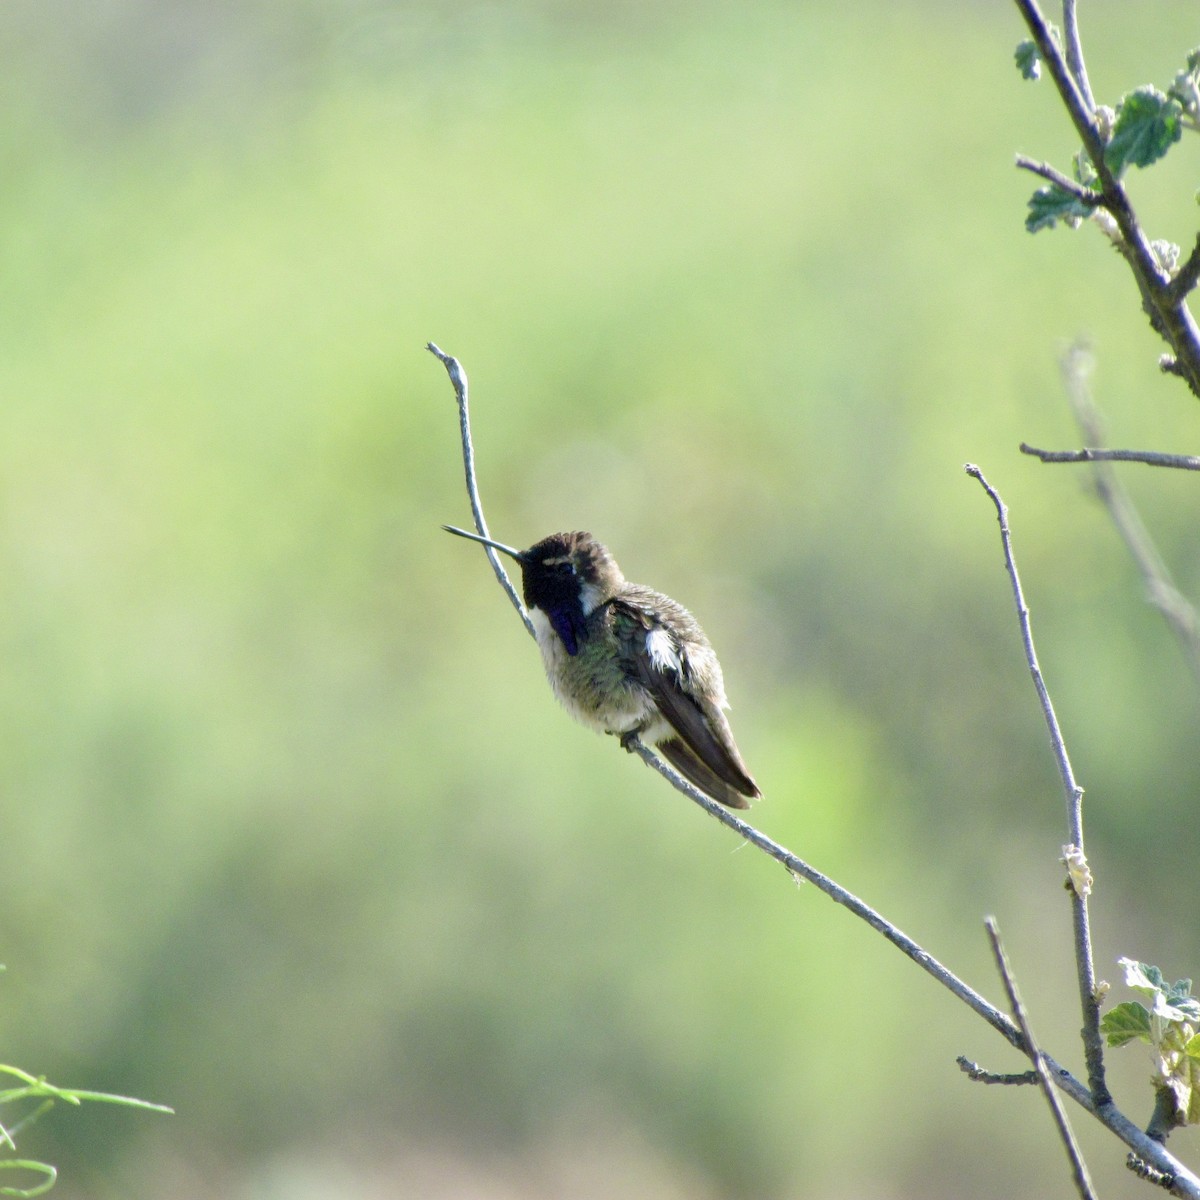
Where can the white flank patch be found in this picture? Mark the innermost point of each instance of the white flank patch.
(662, 651)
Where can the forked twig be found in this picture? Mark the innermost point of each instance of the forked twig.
(1093, 1044)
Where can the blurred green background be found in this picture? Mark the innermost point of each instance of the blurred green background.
(295, 838)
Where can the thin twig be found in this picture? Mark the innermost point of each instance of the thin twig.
(458, 379)
(1053, 175)
(1152, 458)
(1083, 1183)
(1093, 1046)
(978, 1074)
(1188, 275)
(1180, 615)
(1081, 112)
(1075, 53)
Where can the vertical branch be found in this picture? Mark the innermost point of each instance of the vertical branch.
(458, 379)
(1083, 1182)
(1093, 1046)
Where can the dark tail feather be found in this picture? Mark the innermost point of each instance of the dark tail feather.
(677, 753)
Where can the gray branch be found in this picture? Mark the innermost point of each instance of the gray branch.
(1083, 1182)
(458, 379)
(976, 1073)
(1093, 1045)
(1093, 454)
(1055, 176)
(1075, 54)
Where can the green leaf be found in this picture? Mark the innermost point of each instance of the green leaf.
(1125, 1022)
(1049, 205)
(1142, 977)
(1148, 125)
(1185, 1010)
(1029, 60)
(1192, 1046)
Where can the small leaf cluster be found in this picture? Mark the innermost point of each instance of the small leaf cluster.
(1171, 1026)
(1145, 125)
(1185, 91)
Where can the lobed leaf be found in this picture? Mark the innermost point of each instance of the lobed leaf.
(1142, 977)
(1148, 125)
(1029, 60)
(1049, 205)
(1128, 1020)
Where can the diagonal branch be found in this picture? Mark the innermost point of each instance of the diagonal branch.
(1083, 1182)
(1084, 195)
(1093, 1046)
(1188, 275)
(802, 870)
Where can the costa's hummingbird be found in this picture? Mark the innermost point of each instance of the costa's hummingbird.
(627, 660)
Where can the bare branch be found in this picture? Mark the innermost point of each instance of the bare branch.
(1075, 53)
(1083, 1183)
(1093, 1045)
(801, 870)
(458, 379)
(1188, 275)
(1053, 175)
(1092, 454)
(973, 1071)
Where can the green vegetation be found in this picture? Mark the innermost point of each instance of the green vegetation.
(295, 837)
(31, 1088)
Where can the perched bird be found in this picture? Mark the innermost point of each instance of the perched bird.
(628, 660)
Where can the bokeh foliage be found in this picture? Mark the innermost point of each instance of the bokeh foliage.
(295, 839)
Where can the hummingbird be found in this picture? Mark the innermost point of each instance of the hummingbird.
(629, 661)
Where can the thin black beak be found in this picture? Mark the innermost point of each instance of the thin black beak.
(474, 537)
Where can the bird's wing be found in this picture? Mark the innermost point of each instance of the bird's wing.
(662, 667)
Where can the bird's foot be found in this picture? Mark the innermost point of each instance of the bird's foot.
(627, 739)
